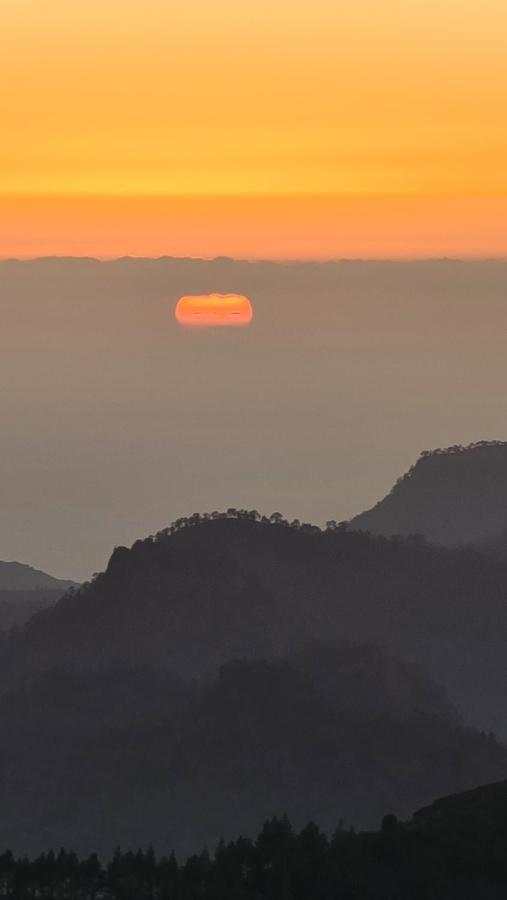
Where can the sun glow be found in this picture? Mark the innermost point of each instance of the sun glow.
(214, 310)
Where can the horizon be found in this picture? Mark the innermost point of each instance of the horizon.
(253, 260)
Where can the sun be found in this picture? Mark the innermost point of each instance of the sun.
(214, 310)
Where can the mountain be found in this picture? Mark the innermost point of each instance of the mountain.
(16, 607)
(452, 497)
(482, 810)
(496, 547)
(210, 590)
(25, 591)
(126, 755)
(116, 727)
(16, 576)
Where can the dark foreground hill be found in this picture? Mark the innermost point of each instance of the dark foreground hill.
(131, 756)
(453, 497)
(208, 591)
(453, 850)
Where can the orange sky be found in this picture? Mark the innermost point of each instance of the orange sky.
(309, 128)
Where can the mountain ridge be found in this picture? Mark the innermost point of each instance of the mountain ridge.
(20, 576)
(209, 589)
(235, 666)
(452, 496)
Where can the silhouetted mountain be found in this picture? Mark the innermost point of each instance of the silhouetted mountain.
(497, 547)
(362, 679)
(480, 810)
(205, 592)
(16, 607)
(117, 730)
(452, 497)
(16, 576)
(128, 755)
(25, 591)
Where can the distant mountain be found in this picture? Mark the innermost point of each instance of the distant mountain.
(129, 756)
(16, 576)
(25, 591)
(452, 497)
(209, 590)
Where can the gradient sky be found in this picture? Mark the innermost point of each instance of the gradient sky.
(312, 128)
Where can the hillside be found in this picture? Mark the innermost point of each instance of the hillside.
(16, 576)
(453, 497)
(497, 547)
(16, 607)
(130, 756)
(25, 591)
(210, 590)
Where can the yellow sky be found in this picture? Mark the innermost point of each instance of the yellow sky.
(206, 98)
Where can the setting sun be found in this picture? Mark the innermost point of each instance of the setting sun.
(214, 310)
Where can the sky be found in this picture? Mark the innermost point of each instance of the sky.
(116, 420)
(253, 130)
(304, 129)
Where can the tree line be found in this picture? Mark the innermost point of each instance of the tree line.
(462, 448)
(399, 861)
(244, 515)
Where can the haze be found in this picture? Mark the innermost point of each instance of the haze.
(115, 421)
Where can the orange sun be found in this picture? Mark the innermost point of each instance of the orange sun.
(212, 310)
